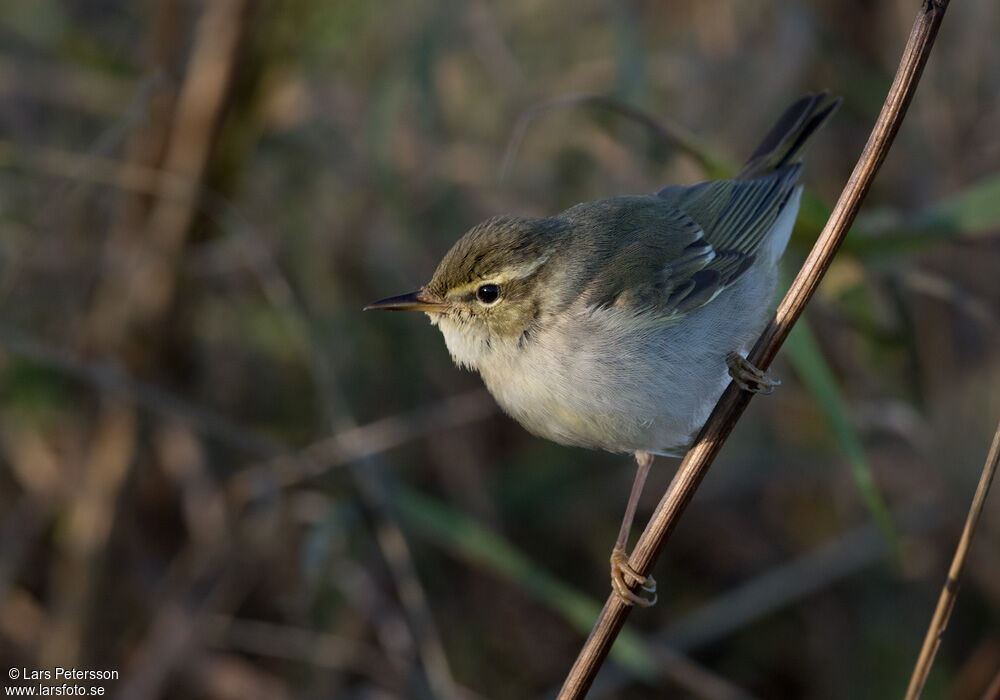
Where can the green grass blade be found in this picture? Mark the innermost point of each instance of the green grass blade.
(973, 212)
(470, 541)
(809, 363)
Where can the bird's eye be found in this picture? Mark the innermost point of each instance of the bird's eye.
(488, 293)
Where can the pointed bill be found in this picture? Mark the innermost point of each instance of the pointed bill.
(414, 301)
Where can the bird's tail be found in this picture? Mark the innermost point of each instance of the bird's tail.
(787, 137)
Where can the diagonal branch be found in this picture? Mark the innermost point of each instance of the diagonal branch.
(733, 402)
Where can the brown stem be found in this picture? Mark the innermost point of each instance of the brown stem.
(950, 590)
(733, 402)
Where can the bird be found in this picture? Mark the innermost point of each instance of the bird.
(617, 324)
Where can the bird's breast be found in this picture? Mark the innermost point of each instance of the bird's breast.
(601, 380)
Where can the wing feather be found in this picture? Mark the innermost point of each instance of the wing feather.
(684, 246)
(677, 250)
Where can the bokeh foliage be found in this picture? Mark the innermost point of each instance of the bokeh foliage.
(186, 494)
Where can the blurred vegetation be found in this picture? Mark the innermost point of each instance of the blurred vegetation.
(221, 478)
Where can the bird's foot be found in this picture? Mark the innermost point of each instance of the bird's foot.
(748, 377)
(620, 569)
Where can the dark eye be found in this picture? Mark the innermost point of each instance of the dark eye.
(488, 293)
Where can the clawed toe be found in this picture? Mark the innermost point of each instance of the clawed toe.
(620, 568)
(747, 377)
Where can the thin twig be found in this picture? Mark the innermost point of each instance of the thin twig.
(776, 589)
(113, 378)
(66, 85)
(354, 443)
(950, 590)
(368, 477)
(667, 131)
(336, 450)
(99, 170)
(733, 402)
(319, 649)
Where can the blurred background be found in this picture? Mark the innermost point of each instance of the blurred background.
(220, 478)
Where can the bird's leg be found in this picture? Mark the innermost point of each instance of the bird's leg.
(748, 377)
(620, 568)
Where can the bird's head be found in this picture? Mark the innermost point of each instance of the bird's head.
(492, 288)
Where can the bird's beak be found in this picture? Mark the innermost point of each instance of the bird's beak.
(414, 301)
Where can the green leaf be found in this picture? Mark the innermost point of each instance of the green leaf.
(469, 540)
(974, 210)
(812, 368)
(970, 213)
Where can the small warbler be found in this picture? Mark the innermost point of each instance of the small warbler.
(617, 324)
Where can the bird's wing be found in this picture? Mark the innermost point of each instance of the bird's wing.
(689, 244)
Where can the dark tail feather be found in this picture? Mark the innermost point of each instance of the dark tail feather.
(786, 138)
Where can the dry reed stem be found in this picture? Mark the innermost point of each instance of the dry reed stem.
(139, 293)
(946, 602)
(142, 290)
(993, 690)
(733, 402)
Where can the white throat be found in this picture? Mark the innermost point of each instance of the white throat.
(466, 344)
